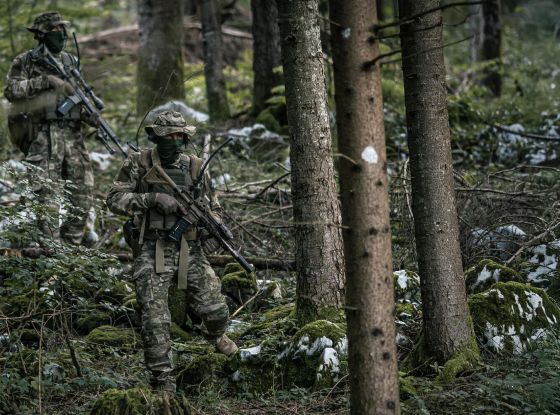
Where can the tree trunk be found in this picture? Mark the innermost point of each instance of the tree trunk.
(318, 239)
(266, 51)
(218, 108)
(486, 46)
(374, 381)
(444, 303)
(160, 57)
(380, 7)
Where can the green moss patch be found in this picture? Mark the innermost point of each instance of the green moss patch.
(139, 401)
(92, 320)
(487, 272)
(509, 315)
(240, 286)
(114, 336)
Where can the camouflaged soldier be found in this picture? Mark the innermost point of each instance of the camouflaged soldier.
(48, 140)
(159, 262)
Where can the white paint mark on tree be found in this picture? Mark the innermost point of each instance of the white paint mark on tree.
(370, 155)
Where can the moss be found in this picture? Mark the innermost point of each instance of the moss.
(509, 314)
(114, 336)
(231, 268)
(205, 367)
(177, 302)
(279, 312)
(178, 333)
(139, 401)
(308, 363)
(307, 311)
(239, 286)
(466, 359)
(407, 389)
(404, 310)
(92, 320)
(487, 272)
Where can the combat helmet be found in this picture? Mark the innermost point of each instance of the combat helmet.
(169, 122)
(47, 21)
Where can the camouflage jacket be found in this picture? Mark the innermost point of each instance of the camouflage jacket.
(129, 194)
(28, 74)
(28, 88)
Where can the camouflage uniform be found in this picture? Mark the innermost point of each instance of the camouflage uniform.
(56, 144)
(130, 196)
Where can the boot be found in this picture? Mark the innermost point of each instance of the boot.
(226, 346)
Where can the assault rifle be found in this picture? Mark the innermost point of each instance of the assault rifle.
(200, 215)
(84, 95)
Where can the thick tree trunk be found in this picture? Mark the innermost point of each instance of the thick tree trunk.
(380, 7)
(218, 108)
(266, 51)
(318, 239)
(486, 46)
(374, 381)
(160, 58)
(444, 303)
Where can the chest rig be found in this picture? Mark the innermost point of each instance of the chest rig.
(155, 225)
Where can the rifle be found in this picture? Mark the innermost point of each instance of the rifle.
(199, 214)
(83, 94)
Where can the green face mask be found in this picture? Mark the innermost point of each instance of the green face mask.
(55, 41)
(168, 149)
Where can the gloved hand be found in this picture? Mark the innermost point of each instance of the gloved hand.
(165, 203)
(57, 83)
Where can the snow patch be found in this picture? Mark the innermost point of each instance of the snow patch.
(250, 353)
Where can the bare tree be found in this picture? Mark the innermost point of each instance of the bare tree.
(374, 381)
(213, 60)
(160, 58)
(446, 316)
(487, 40)
(266, 51)
(318, 239)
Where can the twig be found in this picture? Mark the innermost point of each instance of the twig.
(532, 242)
(420, 52)
(522, 134)
(407, 19)
(271, 184)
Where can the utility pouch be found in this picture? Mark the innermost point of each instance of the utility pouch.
(176, 232)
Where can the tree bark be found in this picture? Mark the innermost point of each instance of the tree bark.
(218, 108)
(160, 57)
(486, 46)
(444, 303)
(372, 355)
(318, 239)
(266, 51)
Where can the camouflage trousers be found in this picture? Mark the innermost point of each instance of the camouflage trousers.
(203, 295)
(60, 151)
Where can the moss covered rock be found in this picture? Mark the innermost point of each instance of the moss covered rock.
(510, 314)
(238, 284)
(407, 286)
(208, 367)
(114, 336)
(542, 267)
(487, 273)
(140, 401)
(317, 355)
(93, 319)
(178, 306)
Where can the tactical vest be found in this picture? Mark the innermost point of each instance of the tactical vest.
(154, 224)
(184, 175)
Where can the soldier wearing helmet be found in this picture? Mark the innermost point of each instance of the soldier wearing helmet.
(49, 140)
(160, 262)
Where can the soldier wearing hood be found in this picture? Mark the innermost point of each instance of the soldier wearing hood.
(160, 262)
(49, 140)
